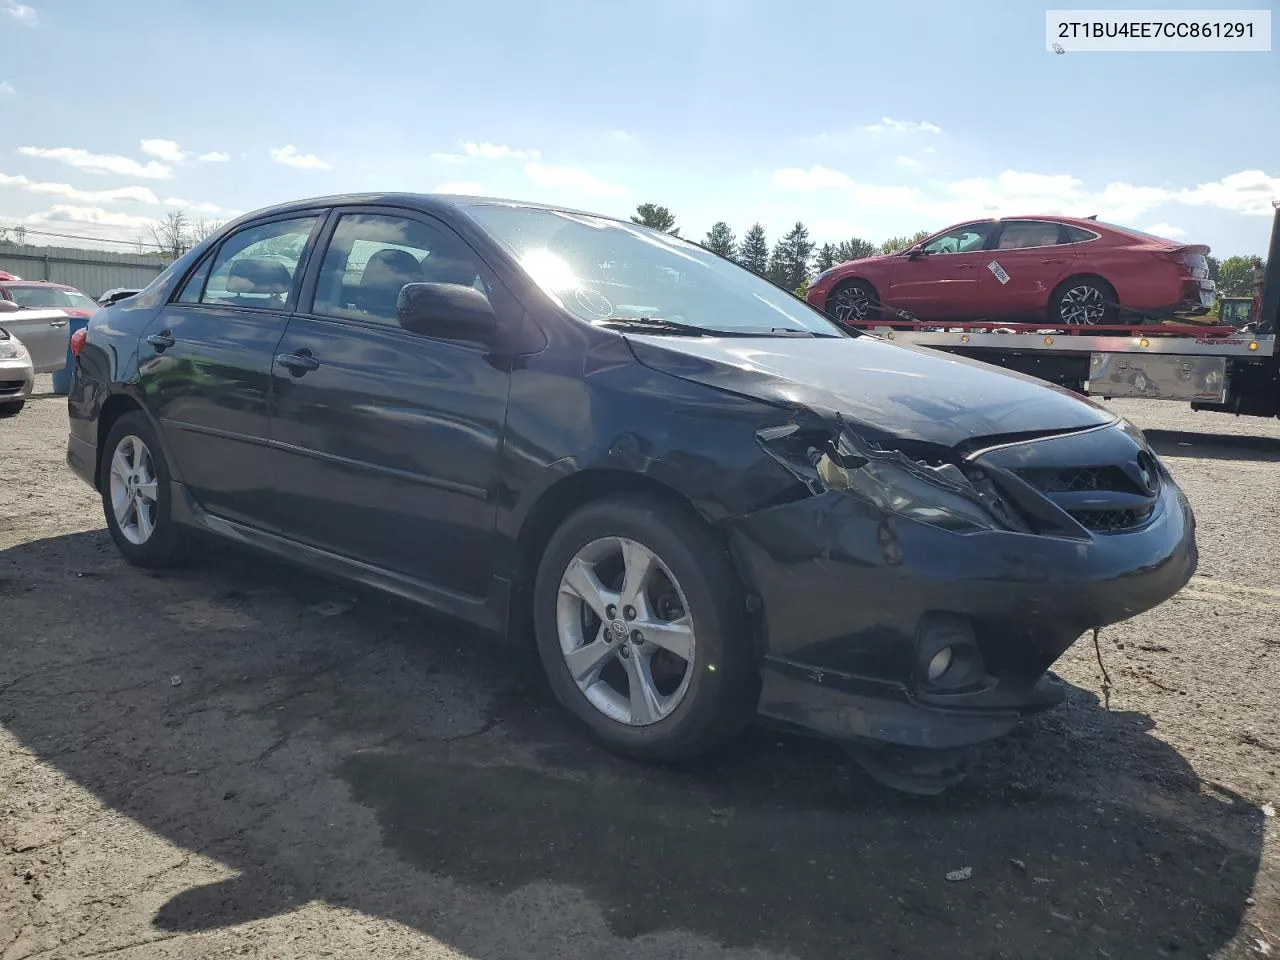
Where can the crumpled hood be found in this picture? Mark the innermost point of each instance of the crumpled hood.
(909, 392)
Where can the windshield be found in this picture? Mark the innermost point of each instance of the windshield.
(599, 269)
(38, 297)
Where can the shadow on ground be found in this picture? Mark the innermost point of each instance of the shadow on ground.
(398, 765)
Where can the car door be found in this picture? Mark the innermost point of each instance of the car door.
(1029, 258)
(40, 323)
(205, 363)
(386, 442)
(942, 277)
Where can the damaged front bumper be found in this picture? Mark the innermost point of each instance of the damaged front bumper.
(860, 605)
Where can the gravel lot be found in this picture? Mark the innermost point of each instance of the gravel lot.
(205, 765)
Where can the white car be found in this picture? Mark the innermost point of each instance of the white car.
(31, 342)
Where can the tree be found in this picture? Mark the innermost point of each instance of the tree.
(825, 258)
(202, 229)
(720, 239)
(894, 244)
(777, 269)
(797, 248)
(173, 234)
(1235, 276)
(854, 248)
(753, 253)
(660, 218)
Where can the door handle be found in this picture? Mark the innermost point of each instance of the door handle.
(57, 323)
(161, 341)
(1054, 260)
(297, 363)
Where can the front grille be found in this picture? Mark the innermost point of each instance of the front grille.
(1079, 479)
(11, 386)
(1112, 521)
(1101, 498)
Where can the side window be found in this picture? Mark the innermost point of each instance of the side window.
(191, 290)
(964, 239)
(1019, 234)
(372, 256)
(1072, 234)
(256, 266)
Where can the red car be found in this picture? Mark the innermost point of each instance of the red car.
(1031, 269)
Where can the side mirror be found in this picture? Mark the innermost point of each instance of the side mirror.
(915, 253)
(8, 306)
(446, 310)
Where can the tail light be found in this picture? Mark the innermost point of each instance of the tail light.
(77, 341)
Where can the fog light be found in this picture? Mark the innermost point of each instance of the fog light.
(939, 664)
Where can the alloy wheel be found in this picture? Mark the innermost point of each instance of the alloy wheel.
(134, 490)
(1083, 306)
(851, 304)
(625, 631)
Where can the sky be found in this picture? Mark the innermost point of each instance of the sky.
(869, 120)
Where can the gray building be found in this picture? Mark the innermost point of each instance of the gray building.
(90, 271)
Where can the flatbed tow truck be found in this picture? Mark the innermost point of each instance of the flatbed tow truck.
(1224, 367)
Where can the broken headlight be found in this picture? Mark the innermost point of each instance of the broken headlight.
(941, 496)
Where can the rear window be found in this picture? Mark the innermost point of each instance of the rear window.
(1137, 233)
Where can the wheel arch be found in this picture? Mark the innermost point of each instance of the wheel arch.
(575, 490)
(113, 408)
(1076, 278)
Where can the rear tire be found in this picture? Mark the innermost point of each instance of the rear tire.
(688, 703)
(1084, 301)
(134, 479)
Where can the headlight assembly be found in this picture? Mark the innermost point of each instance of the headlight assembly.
(11, 349)
(941, 496)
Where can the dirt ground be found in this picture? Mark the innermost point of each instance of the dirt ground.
(207, 764)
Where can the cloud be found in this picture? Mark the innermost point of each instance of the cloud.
(93, 216)
(163, 149)
(196, 206)
(1249, 192)
(100, 162)
(118, 195)
(909, 162)
(928, 151)
(815, 178)
(290, 157)
(461, 187)
(888, 125)
(7, 89)
(1165, 230)
(486, 151)
(573, 178)
(214, 156)
(26, 16)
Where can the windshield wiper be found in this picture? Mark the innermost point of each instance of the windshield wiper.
(663, 325)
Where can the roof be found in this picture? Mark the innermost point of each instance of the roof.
(426, 201)
(9, 280)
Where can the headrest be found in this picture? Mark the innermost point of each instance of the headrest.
(259, 275)
(390, 268)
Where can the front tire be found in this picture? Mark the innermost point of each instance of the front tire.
(134, 479)
(642, 630)
(853, 300)
(12, 409)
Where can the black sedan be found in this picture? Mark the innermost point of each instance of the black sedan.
(708, 501)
